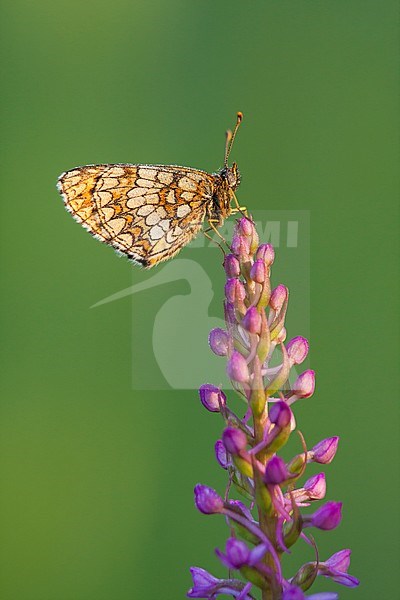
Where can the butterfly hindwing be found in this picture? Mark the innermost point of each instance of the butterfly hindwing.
(147, 212)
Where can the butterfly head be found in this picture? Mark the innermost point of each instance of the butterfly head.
(231, 176)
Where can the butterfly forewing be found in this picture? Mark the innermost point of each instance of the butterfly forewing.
(147, 212)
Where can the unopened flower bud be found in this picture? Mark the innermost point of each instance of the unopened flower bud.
(276, 471)
(266, 253)
(234, 440)
(280, 414)
(252, 320)
(245, 227)
(212, 397)
(231, 266)
(305, 384)
(258, 271)
(237, 553)
(207, 500)
(237, 368)
(324, 452)
(240, 246)
(221, 454)
(327, 517)
(218, 340)
(234, 291)
(315, 487)
(278, 297)
(297, 349)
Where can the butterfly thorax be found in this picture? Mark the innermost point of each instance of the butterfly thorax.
(225, 183)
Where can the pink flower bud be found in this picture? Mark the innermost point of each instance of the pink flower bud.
(207, 500)
(237, 368)
(218, 340)
(221, 454)
(252, 320)
(297, 349)
(280, 414)
(231, 266)
(258, 271)
(276, 471)
(266, 253)
(324, 452)
(327, 517)
(316, 487)
(305, 384)
(234, 440)
(245, 227)
(212, 397)
(240, 246)
(237, 553)
(278, 297)
(234, 291)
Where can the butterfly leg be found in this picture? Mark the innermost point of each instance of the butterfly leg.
(205, 233)
(238, 208)
(212, 226)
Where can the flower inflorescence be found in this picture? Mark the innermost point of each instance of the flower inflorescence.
(263, 531)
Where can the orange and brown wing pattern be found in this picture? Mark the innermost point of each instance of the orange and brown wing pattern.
(147, 212)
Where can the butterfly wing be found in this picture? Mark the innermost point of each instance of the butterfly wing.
(146, 212)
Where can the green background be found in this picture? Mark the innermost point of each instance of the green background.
(96, 476)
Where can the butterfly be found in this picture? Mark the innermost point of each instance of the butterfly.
(148, 213)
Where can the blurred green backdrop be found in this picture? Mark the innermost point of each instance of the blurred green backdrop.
(96, 476)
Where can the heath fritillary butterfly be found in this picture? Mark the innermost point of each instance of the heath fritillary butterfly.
(150, 212)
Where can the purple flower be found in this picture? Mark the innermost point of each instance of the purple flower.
(241, 246)
(280, 414)
(237, 554)
(237, 368)
(218, 340)
(297, 349)
(245, 227)
(212, 397)
(295, 593)
(278, 297)
(315, 487)
(276, 471)
(207, 500)
(324, 452)
(234, 440)
(253, 438)
(234, 291)
(266, 253)
(327, 517)
(303, 386)
(221, 454)
(206, 585)
(231, 266)
(237, 504)
(252, 320)
(336, 568)
(258, 271)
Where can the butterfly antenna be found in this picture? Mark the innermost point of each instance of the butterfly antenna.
(230, 137)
